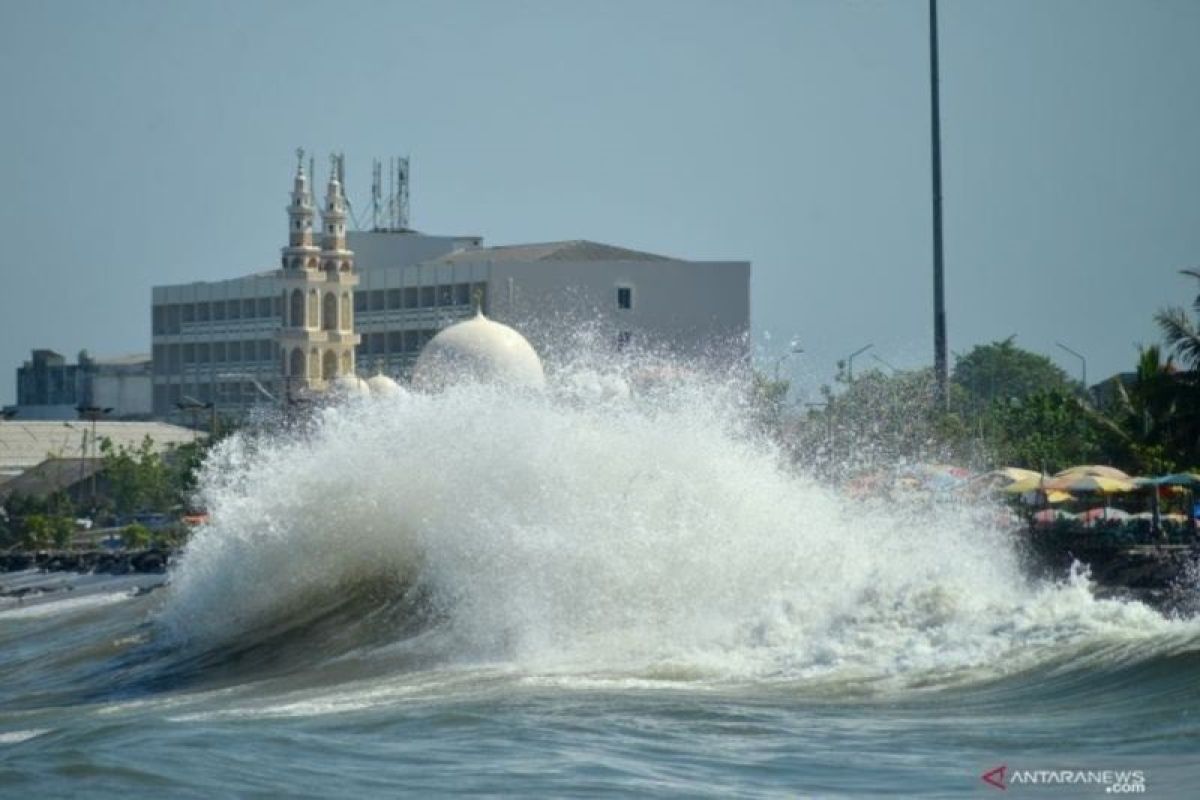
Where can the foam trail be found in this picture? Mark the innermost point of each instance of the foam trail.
(581, 531)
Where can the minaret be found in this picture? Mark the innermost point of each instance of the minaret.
(316, 335)
(337, 264)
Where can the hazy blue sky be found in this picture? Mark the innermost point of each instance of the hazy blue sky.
(151, 142)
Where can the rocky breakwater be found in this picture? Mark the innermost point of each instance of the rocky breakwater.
(107, 562)
(1166, 576)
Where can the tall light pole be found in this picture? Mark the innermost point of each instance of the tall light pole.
(852, 356)
(1082, 361)
(885, 362)
(794, 348)
(939, 296)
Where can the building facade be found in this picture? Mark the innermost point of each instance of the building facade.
(48, 387)
(363, 302)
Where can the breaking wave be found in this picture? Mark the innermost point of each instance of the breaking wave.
(589, 532)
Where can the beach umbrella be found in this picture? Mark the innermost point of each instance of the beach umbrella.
(1178, 479)
(1031, 483)
(1090, 483)
(1094, 470)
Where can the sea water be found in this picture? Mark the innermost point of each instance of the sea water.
(586, 591)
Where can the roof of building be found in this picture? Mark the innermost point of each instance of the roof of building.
(128, 359)
(24, 444)
(574, 250)
(52, 475)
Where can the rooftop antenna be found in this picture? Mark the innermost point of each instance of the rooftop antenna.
(402, 193)
(391, 194)
(376, 192)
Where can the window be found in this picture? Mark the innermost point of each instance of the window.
(172, 319)
(189, 354)
(462, 294)
(264, 306)
(235, 351)
(395, 342)
(265, 350)
(445, 295)
(202, 353)
(360, 301)
(428, 296)
(624, 298)
(412, 341)
(248, 307)
(410, 297)
(623, 340)
(360, 349)
(202, 312)
(394, 298)
(160, 325)
(189, 312)
(218, 352)
(377, 300)
(218, 310)
(377, 345)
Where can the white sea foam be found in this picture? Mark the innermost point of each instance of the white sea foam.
(586, 531)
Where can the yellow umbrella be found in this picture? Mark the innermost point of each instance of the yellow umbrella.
(1032, 483)
(1095, 471)
(1058, 496)
(1089, 483)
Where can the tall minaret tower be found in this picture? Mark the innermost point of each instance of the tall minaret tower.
(337, 262)
(316, 335)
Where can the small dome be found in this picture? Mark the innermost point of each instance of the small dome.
(350, 386)
(478, 349)
(383, 386)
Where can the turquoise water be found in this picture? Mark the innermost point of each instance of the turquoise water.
(578, 594)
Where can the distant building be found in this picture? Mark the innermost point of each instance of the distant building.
(367, 301)
(50, 388)
(24, 444)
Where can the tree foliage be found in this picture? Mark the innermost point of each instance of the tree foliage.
(1001, 371)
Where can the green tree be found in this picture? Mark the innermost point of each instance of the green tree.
(1043, 431)
(135, 535)
(1001, 371)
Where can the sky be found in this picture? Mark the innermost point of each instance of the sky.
(147, 143)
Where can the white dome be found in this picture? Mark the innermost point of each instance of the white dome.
(383, 386)
(481, 350)
(351, 386)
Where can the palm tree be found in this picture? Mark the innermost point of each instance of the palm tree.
(1182, 334)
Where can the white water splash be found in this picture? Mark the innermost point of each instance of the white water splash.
(586, 532)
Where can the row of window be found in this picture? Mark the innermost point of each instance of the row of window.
(455, 294)
(169, 318)
(394, 343)
(221, 392)
(171, 358)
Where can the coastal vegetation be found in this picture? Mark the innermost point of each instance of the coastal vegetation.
(1008, 406)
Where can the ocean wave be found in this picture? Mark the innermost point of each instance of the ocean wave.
(570, 533)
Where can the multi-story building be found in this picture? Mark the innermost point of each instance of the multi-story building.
(367, 301)
(50, 388)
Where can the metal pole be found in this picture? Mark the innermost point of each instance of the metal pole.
(1082, 361)
(939, 300)
(850, 360)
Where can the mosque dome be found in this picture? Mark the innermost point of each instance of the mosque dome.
(478, 349)
(383, 386)
(350, 386)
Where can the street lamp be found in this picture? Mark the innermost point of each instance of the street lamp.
(852, 356)
(794, 348)
(1082, 361)
(885, 362)
(93, 413)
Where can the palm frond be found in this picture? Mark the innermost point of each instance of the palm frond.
(1181, 334)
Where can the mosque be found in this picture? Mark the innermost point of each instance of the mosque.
(353, 310)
